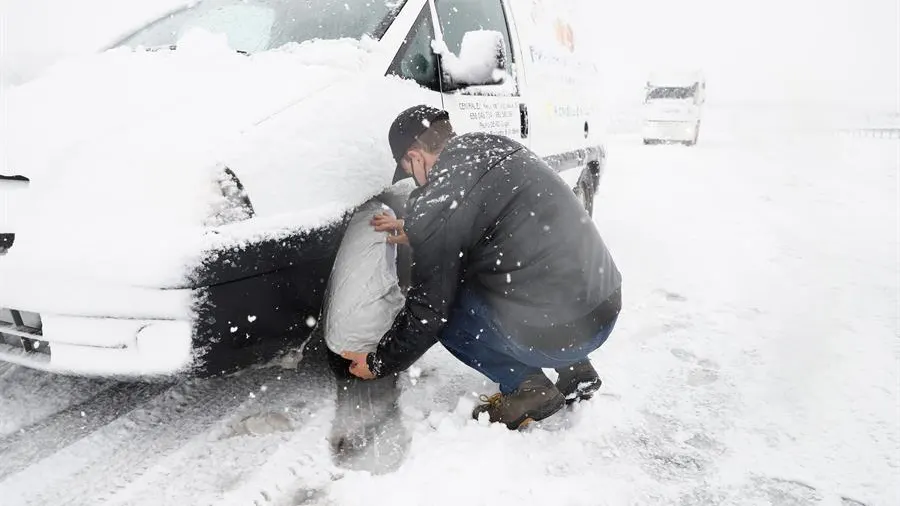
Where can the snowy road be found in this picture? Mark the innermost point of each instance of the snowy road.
(755, 363)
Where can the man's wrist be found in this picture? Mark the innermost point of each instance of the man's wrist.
(375, 364)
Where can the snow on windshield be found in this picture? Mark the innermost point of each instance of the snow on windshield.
(125, 150)
(256, 25)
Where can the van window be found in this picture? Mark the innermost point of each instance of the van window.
(415, 60)
(460, 16)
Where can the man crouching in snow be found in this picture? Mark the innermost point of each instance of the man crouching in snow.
(510, 273)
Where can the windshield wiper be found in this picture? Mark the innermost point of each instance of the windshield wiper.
(173, 47)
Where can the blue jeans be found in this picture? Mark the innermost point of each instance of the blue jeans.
(474, 335)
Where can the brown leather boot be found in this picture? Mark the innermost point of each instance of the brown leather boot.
(535, 399)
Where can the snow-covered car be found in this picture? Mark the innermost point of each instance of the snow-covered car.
(189, 186)
(673, 106)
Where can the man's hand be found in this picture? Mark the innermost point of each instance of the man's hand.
(386, 223)
(358, 365)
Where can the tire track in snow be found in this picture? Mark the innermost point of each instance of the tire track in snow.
(239, 446)
(110, 458)
(57, 431)
(5, 367)
(30, 396)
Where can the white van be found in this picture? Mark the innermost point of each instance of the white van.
(189, 187)
(672, 107)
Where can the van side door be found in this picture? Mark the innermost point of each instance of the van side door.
(496, 108)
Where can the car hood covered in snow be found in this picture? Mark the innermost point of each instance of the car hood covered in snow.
(125, 150)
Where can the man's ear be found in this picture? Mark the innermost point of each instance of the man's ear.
(415, 158)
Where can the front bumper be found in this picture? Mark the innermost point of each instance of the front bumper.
(245, 306)
(679, 131)
(89, 346)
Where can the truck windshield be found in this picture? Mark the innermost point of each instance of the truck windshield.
(257, 25)
(677, 93)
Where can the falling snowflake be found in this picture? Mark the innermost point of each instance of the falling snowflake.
(251, 318)
(310, 322)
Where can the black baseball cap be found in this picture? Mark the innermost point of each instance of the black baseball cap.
(408, 126)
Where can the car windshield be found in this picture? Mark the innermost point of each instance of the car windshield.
(257, 25)
(677, 93)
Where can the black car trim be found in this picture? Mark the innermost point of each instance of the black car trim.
(6, 242)
(14, 178)
(253, 319)
(268, 256)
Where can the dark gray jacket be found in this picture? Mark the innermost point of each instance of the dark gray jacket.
(496, 218)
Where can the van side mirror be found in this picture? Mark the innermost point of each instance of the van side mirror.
(481, 61)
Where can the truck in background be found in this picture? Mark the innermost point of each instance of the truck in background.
(672, 107)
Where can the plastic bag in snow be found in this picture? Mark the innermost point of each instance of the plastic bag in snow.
(363, 294)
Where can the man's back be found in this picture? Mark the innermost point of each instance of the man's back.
(521, 236)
